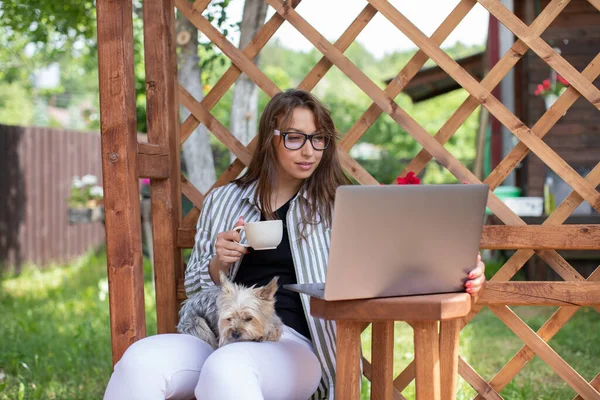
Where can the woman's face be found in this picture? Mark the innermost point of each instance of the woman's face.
(297, 165)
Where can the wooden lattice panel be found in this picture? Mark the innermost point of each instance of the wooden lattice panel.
(542, 240)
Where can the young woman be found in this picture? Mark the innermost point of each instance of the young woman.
(293, 176)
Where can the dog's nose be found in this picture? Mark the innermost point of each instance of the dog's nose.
(235, 334)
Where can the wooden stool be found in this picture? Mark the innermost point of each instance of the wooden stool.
(436, 351)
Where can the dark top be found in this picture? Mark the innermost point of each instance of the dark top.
(259, 267)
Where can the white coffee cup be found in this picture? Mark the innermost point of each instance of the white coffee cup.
(262, 235)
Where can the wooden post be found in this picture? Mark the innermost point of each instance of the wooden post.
(382, 377)
(427, 360)
(119, 172)
(162, 107)
(449, 340)
(348, 360)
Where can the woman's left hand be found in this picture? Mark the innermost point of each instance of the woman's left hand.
(476, 277)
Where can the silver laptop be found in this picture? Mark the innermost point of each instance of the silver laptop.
(400, 240)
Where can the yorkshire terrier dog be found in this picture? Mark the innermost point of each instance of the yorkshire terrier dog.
(231, 313)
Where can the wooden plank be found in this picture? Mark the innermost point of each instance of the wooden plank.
(525, 354)
(237, 57)
(153, 161)
(163, 129)
(230, 76)
(594, 382)
(545, 352)
(496, 108)
(449, 338)
(190, 219)
(367, 372)
(406, 74)
(476, 381)
(387, 104)
(347, 38)
(541, 293)
(427, 362)
(562, 212)
(121, 191)
(191, 192)
(354, 169)
(348, 358)
(562, 237)
(405, 377)
(543, 50)
(382, 346)
(541, 128)
(200, 5)
(595, 3)
(227, 176)
(213, 125)
(489, 82)
(405, 308)
(185, 238)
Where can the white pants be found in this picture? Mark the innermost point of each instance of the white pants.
(178, 366)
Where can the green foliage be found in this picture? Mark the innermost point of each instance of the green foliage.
(15, 105)
(56, 338)
(287, 68)
(55, 331)
(52, 26)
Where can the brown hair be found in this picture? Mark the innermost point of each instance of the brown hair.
(322, 184)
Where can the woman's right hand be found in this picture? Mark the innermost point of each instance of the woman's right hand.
(227, 250)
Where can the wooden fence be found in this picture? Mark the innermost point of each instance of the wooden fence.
(37, 166)
(159, 160)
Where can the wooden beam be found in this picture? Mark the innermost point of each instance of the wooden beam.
(495, 107)
(185, 238)
(153, 161)
(545, 352)
(541, 293)
(561, 237)
(543, 50)
(564, 237)
(119, 173)
(162, 105)
(490, 81)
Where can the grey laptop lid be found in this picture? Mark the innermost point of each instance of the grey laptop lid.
(397, 240)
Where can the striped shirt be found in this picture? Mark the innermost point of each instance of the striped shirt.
(221, 209)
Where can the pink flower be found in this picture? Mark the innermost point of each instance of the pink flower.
(409, 179)
(145, 181)
(546, 84)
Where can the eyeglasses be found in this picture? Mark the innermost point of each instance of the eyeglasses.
(295, 140)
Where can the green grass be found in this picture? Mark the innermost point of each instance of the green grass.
(54, 330)
(55, 339)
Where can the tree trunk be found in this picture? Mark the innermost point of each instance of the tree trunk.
(197, 153)
(245, 92)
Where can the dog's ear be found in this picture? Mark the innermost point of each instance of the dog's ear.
(226, 285)
(268, 292)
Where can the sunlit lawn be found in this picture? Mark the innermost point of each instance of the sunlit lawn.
(55, 339)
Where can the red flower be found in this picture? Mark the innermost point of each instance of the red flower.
(546, 83)
(562, 80)
(409, 179)
(539, 90)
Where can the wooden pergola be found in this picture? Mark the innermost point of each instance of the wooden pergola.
(125, 160)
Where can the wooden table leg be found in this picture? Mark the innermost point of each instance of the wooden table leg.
(382, 357)
(449, 337)
(427, 357)
(347, 381)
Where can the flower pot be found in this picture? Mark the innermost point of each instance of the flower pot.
(550, 99)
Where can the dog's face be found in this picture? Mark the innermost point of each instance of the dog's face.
(245, 314)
